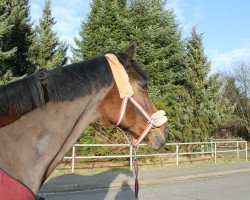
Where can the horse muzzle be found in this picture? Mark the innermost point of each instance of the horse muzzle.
(157, 137)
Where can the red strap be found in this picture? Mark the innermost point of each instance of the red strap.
(122, 111)
(140, 108)
(136, 142)
(136, 178)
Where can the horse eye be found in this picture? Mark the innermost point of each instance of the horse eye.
(144, 86)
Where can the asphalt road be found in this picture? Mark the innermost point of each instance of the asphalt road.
(228, 187)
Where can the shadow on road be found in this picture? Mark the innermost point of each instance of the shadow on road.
(74, 182)
(125, 192)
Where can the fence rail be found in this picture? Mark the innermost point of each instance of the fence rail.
(213, 151)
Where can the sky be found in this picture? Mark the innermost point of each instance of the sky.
(225, 25)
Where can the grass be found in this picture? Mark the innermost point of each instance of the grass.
(147, 164)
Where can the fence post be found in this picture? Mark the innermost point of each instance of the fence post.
(212, 149)
(73, 159)
(202, 150)
(238, 155)
(246, 152)
(215, 152)
(177, 154)
(131, 157)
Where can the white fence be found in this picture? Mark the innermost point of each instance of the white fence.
(212, 150)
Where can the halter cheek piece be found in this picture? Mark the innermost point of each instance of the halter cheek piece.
(156, 120)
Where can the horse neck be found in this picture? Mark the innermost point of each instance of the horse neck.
(32, 146)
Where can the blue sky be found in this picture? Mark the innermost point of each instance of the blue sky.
(225, 25)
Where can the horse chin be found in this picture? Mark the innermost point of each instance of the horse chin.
(154, 145)
(156, 140)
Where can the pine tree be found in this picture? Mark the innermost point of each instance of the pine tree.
(208, 106)
(47, 51)
(8, 77)
(161, 52)
(240, 118)
(104, 29)
(113, 24)
(5, 29)
(160, 48)
(15, 36)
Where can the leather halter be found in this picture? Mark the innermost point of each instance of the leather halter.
(156, 120)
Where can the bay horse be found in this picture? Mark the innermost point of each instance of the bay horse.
(42, 115)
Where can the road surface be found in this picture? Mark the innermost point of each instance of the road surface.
(227, 187)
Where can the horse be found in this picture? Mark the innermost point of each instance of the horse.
(43, 114)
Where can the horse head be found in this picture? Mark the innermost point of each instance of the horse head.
(133, 120)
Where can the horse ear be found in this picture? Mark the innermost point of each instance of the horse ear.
(130, 51)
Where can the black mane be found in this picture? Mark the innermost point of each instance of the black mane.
(59, 84)
(21, 96)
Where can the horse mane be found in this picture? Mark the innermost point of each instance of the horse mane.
(21, 95)
(59, 84)
(78, 79)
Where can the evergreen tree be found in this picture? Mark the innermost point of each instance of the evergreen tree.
(240, 119)
(5, 28)
(15, 36)
(197, 65)
(160, 48)
(208, 106)
(104, 29)
(161, 52)
(231, 92)
(8, 77)
(47, 51)
(113, 24)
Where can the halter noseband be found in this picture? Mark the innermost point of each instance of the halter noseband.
(156, 120)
